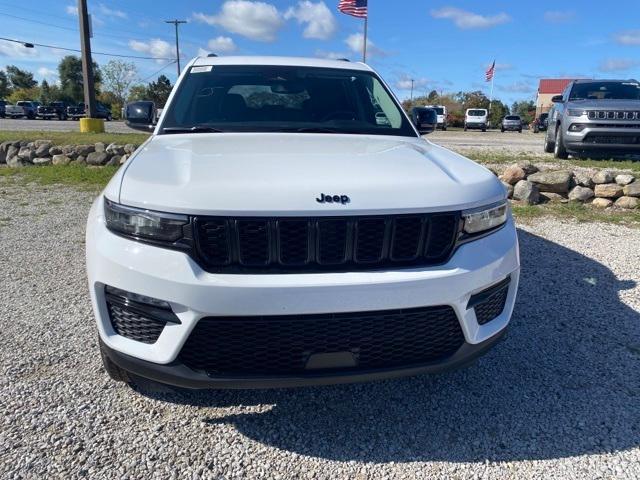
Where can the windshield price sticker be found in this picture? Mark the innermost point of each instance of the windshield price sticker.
(203, 69)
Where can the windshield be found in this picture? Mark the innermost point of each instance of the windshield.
(512, 117)
(439, 110)
(254, 98)
(477, 113)
(605, 91)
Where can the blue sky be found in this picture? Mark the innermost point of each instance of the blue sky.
(442, 44)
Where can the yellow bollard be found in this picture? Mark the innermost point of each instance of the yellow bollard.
(91, 125)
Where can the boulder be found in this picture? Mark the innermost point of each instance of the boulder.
(557, 181)
(39, 143)
(624, 179)
(123, 159)
(4, 150)
(602, 203)
(583, 179)
(129, 148)
(528, 167)
(84, 150)
(527, 192)
(632, 190)
(97, 158)
(27, 154)
(60, 160)
(100, 147)
(42, 161)
(602, 176)
(55, 150)
(42, 150)
(513, 174)
(627, 202)
(608, 190)
(508, 188)
(115, 149)
(115, 161)
(552, 197)
(12, 152)
(581, 194)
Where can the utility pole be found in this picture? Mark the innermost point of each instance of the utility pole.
(87, 63)
(176, 23)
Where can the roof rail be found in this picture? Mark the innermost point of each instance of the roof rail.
(212, 55)
(343, 59)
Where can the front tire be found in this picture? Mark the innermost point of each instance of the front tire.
(548, 146)
(559, 151)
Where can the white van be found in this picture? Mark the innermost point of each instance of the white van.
(441, 110)
(476, 118)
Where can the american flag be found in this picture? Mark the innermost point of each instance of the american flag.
(490, 71)
(355, 8)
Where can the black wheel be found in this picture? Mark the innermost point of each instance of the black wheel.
(444, 129)
(115, 372)
(108, 118)
(502, 130)
(559, 151)
(520, 131)
(548, 146)
(484, 129)
(465, 128)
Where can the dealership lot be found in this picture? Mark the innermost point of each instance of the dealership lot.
(557, 399)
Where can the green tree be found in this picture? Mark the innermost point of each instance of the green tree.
(71, 80)
(5, 88)
(21, 94)
(476, 99)
(433, 96)
(158, 91)
(19, 78)
(498, 111)
(137, 93)
(45, 92)
(526, 109)
(118, 76)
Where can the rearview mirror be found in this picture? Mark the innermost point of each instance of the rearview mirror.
(140, 115)
(425, 120)
(557, 99)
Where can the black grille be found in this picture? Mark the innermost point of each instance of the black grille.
(278, 345)
(321, 244)
(613, 115)
(490, 303)
(612, 139)
(134, 324)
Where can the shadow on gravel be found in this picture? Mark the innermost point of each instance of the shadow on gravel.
(565, 382)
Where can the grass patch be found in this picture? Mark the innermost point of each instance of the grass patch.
(74, 138)
(485, 157)
(576, 211)
(75, 175)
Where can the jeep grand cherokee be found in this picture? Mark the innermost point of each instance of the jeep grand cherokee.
(273, 232)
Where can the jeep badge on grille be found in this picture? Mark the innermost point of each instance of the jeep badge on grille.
(343, 199)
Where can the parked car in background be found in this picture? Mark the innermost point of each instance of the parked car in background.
(53, 110)
(541, 123)
(424, 119)
(512, 123)
(441, 110)
(476, 118)
(595, 118)
(78, 111)
(3, 104)
(21, 109)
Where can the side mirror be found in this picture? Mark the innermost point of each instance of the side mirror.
(557, 99)
(426, 121)
(140, 115)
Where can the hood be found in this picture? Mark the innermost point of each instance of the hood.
(283, 174)
(606, 104)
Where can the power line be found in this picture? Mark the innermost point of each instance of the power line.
(76, 50)
(177, 23)
(156, 73)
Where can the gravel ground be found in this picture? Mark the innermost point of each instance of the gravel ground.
(22, 124)
(557, 399)
(494, 141)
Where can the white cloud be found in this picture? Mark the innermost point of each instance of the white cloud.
(320, 21)
(47, 72)
(255, 20)
(557, 16)
(404, 83)
(108, 12)
(517, 87)
(16, 50)
(630, 37)
(71, 10)
(331, 55)
(355, 42)
(617, 64)
(154, 48)
(467, 20)
(220, 45)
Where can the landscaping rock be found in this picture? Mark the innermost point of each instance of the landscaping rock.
(583, 179)
(42, 161)
(509, 188)
(115, 149)
(528, 167)
(100, 147)
(602, 202)
(557, 181)
(581, 194)
(123, 159)
(129, 148)
(84, 150)
(60, 160)
(627, 202)
(115, 161)
(12, 152)
(602, 176)
(39, 143)
(97, 158)
(26, 154)
(527, 192)
(43, 150)
(513, 174)
(608, 190)
(632, 190)
(624, 179)
(55, 150)
(552, 197)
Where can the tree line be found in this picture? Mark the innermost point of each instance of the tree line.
(458, 103)
(116, 83)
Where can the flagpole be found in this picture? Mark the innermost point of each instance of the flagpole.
(364, 46)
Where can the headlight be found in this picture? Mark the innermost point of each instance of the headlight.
(480, 220)
(572, 112)
(146, 224)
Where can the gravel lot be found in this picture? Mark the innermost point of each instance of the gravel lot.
(22, 124)
(558, 399)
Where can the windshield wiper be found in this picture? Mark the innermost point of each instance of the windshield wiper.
(194, 129)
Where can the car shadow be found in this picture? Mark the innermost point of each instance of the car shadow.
(565, 382)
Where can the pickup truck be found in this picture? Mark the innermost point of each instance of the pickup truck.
(78, 111)
(54, 109)
(22, 109)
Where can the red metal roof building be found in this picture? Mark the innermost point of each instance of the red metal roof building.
(546, 90)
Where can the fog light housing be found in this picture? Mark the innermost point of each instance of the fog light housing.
(577, 127)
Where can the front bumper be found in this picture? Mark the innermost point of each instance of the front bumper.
(603, 137)
(512, 127)
(195, 294)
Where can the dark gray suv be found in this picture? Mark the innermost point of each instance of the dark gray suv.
(595, 118)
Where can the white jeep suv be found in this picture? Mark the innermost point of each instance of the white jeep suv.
(273, 232)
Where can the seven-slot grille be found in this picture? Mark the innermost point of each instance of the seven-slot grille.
(324, 243)
(613, 115)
